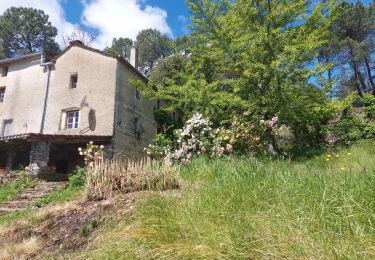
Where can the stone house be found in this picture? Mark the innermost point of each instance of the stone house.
(52, 104)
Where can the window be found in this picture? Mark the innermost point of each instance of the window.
(7, 127)
(2, 94)
(73, 81)
(137, 94)
(4, 71)
(72, 119)
(137, 133)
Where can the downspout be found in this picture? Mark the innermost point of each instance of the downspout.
(47, 66)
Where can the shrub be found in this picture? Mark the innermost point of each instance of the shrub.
(195, 138)
(78, 179)
(160, 147)
(352, 123)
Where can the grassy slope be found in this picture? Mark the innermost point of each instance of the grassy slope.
(240, 208)
(12, 188)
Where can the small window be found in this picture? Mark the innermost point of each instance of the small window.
(4, 71)
(7, 127)
(72, 119)
(137, 133)
(2, 94)
(73, 81)
(137, 94)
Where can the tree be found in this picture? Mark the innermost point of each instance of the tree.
(120, 47)
(26, 30)
(152, 47)
(2, 54)
(354, 32)
(254, 56)
(78, 34)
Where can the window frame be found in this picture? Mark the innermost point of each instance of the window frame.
(74, 124)
(137, 132)
(72, 84)
(2, 94)
(6, 121)
(4, 71)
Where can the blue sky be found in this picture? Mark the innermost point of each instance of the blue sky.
(177, 13)
(113, 18)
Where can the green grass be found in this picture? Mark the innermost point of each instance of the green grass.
(246, 208)
(57, 196)
(14, 187)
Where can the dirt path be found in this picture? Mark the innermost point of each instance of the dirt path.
(29, 197)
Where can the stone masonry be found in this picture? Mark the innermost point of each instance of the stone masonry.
(39, 157)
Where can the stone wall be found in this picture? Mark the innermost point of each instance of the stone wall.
(39, 157)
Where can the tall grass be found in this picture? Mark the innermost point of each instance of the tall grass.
(246, 208)
(106, 177)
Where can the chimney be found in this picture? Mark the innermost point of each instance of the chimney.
(76, 42)
(134, 57)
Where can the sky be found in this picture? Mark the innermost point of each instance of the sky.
(110, 19)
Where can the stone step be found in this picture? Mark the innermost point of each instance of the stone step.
(28, 197)
(8, 210)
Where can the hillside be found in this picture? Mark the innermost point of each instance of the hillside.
(321, 207)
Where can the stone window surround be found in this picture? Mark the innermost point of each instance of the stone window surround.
(73, 83)
(74, 115)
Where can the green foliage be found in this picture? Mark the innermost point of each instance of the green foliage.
(355, 120)
(78, 179)
(26, 30)
(120, 47)
(351, 47)
(87, 229)
(251, 56)
(14, 187)
(152, 47)
(159, 148)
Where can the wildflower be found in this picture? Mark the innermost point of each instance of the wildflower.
(81, 153)
(102, 146)
(329, 156)
(337, 156)
(80, 149)
(349, 154)
(91, 142)
(342, 168)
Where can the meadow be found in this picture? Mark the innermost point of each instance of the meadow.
(233, 208)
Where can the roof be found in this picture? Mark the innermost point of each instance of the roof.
(119, 58)
(38, 137)
(20, 58)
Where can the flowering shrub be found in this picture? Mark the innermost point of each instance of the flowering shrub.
(160, 148)
(33, 169)
(195, 138)
(91, 153)
(244, 135)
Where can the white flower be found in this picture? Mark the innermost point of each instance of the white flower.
(91, 142)
(102, 146)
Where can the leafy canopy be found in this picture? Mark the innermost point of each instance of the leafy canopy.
(26, 30)
(257, 56)
(120, 47)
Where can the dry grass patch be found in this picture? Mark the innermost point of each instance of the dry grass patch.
(24, 250)
(107, 177)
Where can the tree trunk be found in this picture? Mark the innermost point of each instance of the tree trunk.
(356, 79)
(370, 76)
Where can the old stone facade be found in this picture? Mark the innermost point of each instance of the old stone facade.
(50, 105)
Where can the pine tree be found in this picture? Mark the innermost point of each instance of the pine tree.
(26, 30)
